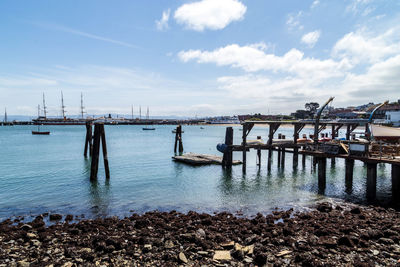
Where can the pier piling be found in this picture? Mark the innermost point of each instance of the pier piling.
(227, 158)
(321, 174)
(396, 183)
(371, 181)
(88, 140)
(259, 154)
(349, 163)
(99, 134)
(178, 140)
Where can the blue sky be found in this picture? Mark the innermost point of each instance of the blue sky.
(200, 57)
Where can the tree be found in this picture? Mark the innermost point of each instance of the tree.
(301, 114)
(312, 107)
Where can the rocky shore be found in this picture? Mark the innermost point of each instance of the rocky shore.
(329, 235)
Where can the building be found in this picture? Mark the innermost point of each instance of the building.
(392, 116)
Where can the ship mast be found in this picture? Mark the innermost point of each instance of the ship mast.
(38, 111)
(132, 112)
(5, 115)
(62, 105)
(140, 112)
(44, 107)
(82, 107)
(147, 113)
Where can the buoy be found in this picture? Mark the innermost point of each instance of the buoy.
(222, 148)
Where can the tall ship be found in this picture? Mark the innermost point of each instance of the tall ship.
(45, 120)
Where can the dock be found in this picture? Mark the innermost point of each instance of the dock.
(201, 159)
(320, 151)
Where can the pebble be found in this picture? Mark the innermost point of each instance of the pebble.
(182, 257)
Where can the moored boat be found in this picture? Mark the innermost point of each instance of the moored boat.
(385, 133)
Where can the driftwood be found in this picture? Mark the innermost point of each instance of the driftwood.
(201, 159)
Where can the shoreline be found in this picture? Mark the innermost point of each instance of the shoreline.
(329, 234)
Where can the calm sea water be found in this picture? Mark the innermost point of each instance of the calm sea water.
(49, 174)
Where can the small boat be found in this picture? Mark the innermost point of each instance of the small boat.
(201, 128)
(147, 119)
(40, 133)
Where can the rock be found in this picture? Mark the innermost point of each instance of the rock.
(201, 233)
(55, 217)
(31, 235)
(345, 241)
(222, 255)
(68, 263)
(147, 248)
(386, 241)
(35, 242)
(228, 245)
(86, 250)
(169, 244)
(203, 253)
(355, 210)
(182, 257)
(375, 252)
(324, 207)
(69, 217)
(26, 227)
(283, 253)
(248, 260)
(23, 263)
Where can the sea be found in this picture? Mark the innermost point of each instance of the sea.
(40, 174)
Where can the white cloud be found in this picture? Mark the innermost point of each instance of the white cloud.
(250, 58)
(162, 24)
(362, 47)
(210, 14)
(293, 21)
(360, 7)
(315, 4)
(311, 38)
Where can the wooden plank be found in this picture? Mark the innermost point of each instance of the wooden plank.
(104, 148)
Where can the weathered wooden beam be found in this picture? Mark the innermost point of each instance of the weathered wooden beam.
(88, 139)
(95, 154)
(244, 136)
(227, 158)
(259, 154)
(321, 174)
(349, 166)
(396, 183)
(179, 130)
(273, 127)
(371, 181)
(104, 148)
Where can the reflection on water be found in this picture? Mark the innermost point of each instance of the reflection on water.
(36, 177)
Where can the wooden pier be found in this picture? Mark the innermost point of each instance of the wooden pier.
(314, 149)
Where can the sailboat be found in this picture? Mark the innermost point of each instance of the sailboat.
(147, 119)
(38, 132)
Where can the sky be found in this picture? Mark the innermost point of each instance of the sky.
(197, 57)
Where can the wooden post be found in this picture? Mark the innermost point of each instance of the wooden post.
(95, 154)
(371, 181)
(279, 151)
(88, 139)
(321, 174)
(283, 154)
(349, 175)
(227, 158)
(180, 139)
(244, 135)
(348, 132)
(295, 149)
(259, 154)
(104, 148)
(396, 184)
(269, 160)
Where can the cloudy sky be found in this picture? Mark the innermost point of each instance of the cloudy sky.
(198, 57)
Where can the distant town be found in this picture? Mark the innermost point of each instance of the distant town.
(388, 115)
